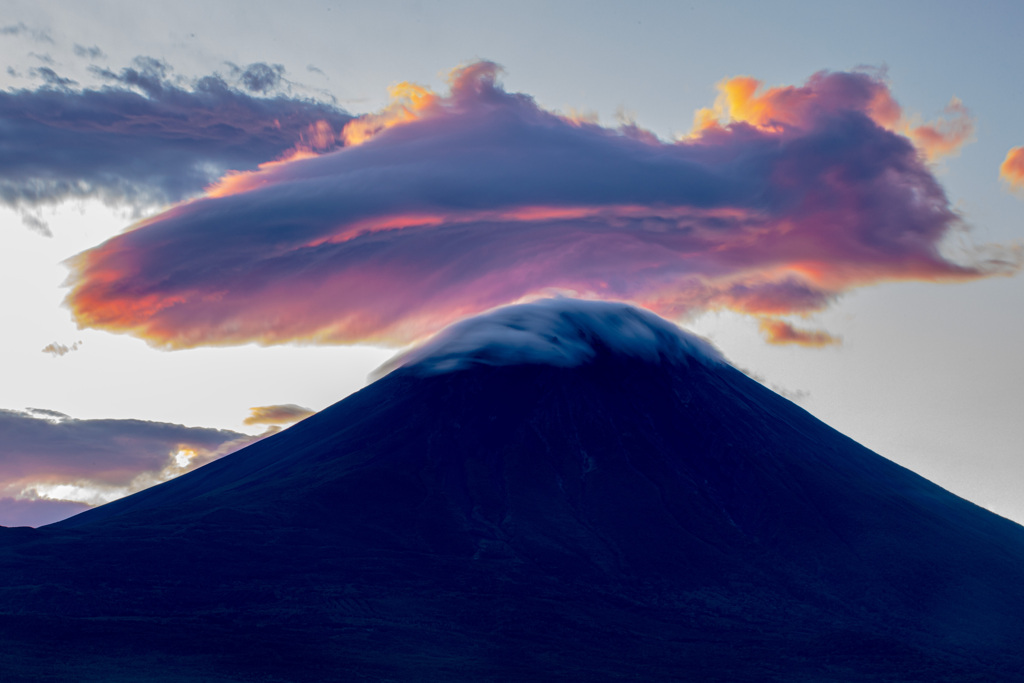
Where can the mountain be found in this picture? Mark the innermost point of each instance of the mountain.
(560, 490)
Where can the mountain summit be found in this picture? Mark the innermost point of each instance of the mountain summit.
(559, 332)
(560, 490)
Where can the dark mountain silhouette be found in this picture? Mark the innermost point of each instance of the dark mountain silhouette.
(558, 491)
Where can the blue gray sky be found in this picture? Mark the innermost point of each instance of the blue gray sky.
(798, 207)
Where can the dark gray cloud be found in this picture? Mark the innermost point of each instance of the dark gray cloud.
(147, 138)
(52, 78)
(262, 78)
(36, 224)
(21, 29)
(93, 52)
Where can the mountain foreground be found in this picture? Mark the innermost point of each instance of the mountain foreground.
(560, 490)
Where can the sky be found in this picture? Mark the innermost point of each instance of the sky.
(216, 218)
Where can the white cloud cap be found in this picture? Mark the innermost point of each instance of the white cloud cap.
(561, 332)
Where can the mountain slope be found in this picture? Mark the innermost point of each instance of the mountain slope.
(634, 508)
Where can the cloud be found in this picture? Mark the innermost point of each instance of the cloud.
(277, 415)
(48, 456)
(146, 138)
(1012, 169)
(743, 100)
(259, 77)
(44, 58)
(47, 414)
(93, 52)
(945, 136)
(781, 332)
(60, 349)
(36, 224)
(52, 78)
(444, 205)
(20, 29)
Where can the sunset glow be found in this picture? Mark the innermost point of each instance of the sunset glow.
(744, 100)
(519, 201)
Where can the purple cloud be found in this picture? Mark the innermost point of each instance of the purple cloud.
(446, 205)
(146, 138)
(36, 511)
(49, 460)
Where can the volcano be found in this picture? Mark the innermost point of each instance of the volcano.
(560, 490)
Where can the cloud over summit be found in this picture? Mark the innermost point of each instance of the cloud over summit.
(443, 205)
(558, 332)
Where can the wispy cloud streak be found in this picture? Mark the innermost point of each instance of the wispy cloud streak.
(445, 205)
(284, 414)
(21, 29)
(781, 332)
(57, 349)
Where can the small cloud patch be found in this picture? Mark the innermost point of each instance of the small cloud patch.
(277, 414)
(57, 350)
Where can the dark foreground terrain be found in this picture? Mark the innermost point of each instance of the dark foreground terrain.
(620, 520)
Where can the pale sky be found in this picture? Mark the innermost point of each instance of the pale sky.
(929, 375)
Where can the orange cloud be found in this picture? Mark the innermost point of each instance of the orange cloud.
(319, 137)
(56, 349)
(780, 332)
(408, 102)
(411, 102)
(945, 136)
(1012, 169)
(743, 100)
(277, 415)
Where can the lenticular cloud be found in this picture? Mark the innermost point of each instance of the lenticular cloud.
(444, 205)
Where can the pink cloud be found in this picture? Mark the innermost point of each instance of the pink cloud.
(445, 205)
(781, 332)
